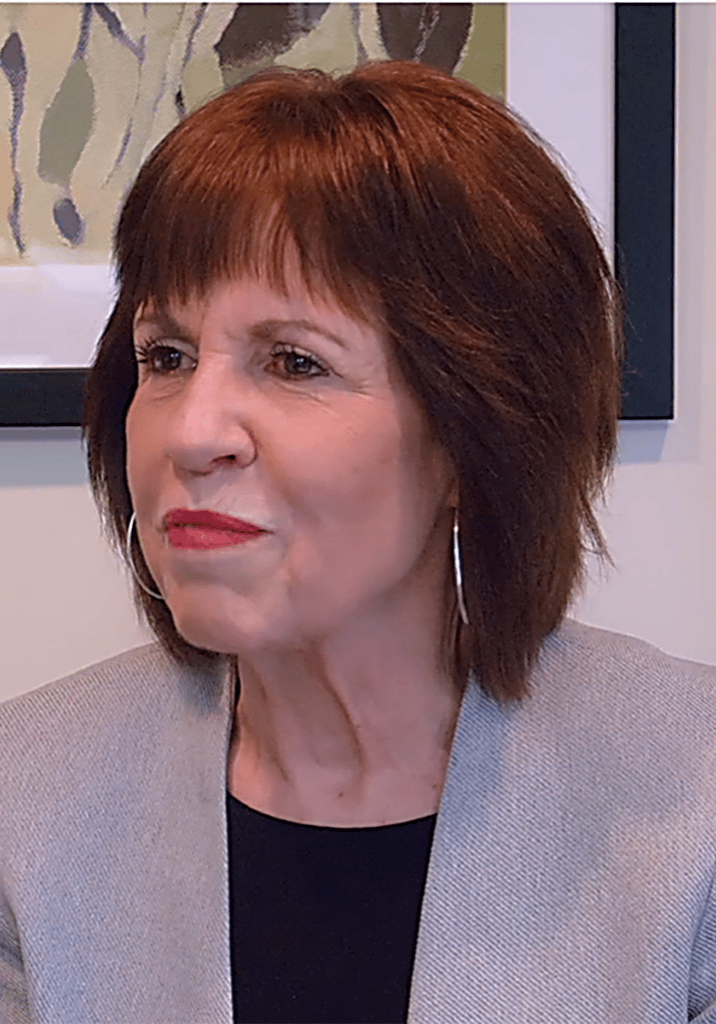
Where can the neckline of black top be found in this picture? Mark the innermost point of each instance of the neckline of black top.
(239, 807)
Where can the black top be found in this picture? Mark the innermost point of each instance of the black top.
(323, 920)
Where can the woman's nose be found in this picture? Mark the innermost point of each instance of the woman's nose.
(210, 422)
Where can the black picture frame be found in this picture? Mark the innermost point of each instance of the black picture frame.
(644, 235)
(644, 61)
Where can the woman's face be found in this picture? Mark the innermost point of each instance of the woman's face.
(289, 416)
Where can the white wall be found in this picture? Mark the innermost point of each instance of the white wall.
(64, 601)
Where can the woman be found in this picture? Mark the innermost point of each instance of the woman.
(348, 420)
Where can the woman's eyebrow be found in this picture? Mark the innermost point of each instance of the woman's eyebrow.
(164, 321)
(262, 330)
(267, 329)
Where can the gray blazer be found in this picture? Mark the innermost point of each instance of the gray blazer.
(571, 875)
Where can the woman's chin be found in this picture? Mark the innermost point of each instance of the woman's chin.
(208, 640)
(214, 631)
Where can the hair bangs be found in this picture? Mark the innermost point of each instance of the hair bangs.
(191, 221)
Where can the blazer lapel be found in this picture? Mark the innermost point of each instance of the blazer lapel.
(123, 904)
(445, 985)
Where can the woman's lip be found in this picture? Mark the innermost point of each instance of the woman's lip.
(203, 538)
(207, 519)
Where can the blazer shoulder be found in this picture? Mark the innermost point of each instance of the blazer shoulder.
(617, 661)
(90, 687)
(128, 691)
(628, 689)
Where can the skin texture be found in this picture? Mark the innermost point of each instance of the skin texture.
(336, 611)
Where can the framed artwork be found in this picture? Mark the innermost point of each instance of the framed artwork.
(86, 103)
(644, 202)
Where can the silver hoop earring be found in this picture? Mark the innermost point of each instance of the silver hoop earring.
(457, 569)
(130, 560)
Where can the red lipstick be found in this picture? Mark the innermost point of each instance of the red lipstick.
(201, 529)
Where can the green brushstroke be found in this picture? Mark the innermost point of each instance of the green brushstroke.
(66, 126)
(484, 62)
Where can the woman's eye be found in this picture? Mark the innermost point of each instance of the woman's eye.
(161, 359)
(291, 363)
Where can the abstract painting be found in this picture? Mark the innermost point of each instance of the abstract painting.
(87, 90)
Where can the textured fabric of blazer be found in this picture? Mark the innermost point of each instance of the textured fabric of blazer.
(570, 879)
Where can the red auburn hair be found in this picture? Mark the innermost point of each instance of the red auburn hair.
(409, 192)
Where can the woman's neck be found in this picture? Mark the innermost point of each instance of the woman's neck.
(353, 731)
